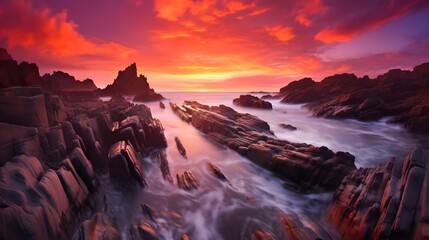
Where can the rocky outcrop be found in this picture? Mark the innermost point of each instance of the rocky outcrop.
(400, 94)
(252, 101)
(31, 107)
(217, 172)
(288, 127)
(162, 105)
(129, 83)
(180, 147)
(187, 181)
(124, 163)
(14, 74)
(60, 81)
(100, 227)
(307, 166)
(162, 161)
(388, 201)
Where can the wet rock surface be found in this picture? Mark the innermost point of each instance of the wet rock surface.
(397, 93)
(385, 202)
(252, 101)
(53, 154)
(217, 172)
(180, 147)
(288, 127)
(187, 181)
(307, 166)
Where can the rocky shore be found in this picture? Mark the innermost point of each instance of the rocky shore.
(307, 167)
(60, 155)
(402, 95)
(389, 201)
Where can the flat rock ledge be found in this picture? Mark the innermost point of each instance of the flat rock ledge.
(308, 167)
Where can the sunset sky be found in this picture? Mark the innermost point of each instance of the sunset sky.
(216, 45)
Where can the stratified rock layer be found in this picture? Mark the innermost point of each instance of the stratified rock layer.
(307, 166)
(388, 201)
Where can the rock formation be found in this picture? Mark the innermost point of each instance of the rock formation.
(288, 127)
(14, 74)
(401, 94)
(52, 154)
(252, 101)
(60, 81)
(309, 167)
(388, 201)
(129, 83)
(187, 181)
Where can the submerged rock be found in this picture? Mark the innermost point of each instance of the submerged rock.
(309, 167)
(385, 202)
(217, 172)
(180, 147)
(252, 101)
(288, 127)
(187, 181)
(161, 157)
(161, 105)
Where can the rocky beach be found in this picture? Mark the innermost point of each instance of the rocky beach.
(80, 162)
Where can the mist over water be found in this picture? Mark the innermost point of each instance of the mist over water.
(254, 198)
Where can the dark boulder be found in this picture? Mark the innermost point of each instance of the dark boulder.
(252, 101)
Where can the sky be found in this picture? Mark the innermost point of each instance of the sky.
(216, 45)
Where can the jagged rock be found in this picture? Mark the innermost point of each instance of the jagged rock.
(309, 167)
(400, 94)
(124, 163)
(4, 55)
(385, 202)
(14, 74)
(252, 101)
(161, 157)
(161, 105)
(187, 181)
(60, 81)
(84, 168)
(288, 127)
(149, 211)
(217, 172)
(117, 97)
(180, 147)
(99, 227)
(143, 230)
(128, 83)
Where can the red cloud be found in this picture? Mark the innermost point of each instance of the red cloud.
(365, 17)
(306, 9)
(283, 34)
(52, 36)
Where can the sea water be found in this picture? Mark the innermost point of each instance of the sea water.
(254, 198)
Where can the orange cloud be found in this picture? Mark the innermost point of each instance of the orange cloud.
(331, 36)
(174, 9)
(259, 11)
(283, 34)
(236, 6)
(306, 9)
(52, 35)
